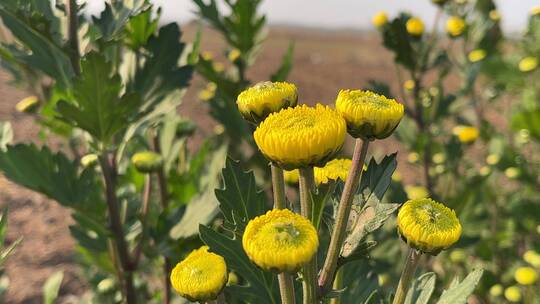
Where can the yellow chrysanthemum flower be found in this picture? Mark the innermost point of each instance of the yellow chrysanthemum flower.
(496, 290)
(233, 55)
(409, 85)
(291, 177)
(416, 192)
(427, 225)
(280, 241)
(413, 157)
(89, 160)
(369, 115)
(512, 294)
(477, 55)
(535, 11)
(380, 19)
(200, 276)
(147, 161)
(466, 134)
(532, 257)
(493, 159)
(333, 170)
(455, 26)
(511, 172)
(257, 102)
(301, 137)
(27, 105)
(415, 26)
(526, 275)
(528, 64)
(494, 15)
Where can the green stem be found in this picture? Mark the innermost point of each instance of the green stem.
(309, 271)
(342, 217)
(108, 168)
(73, 38)
(338, 284)
(286, 286)
(408, 272)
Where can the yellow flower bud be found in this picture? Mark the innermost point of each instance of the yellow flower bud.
(511, 172)
(415, 26)
(439, 158)
(528, 64)
(494, 15)
(496, 290)
(147, 161)
(219, 129)
(512, 294)
(206, 95)
(234, 54)
(336, 169)
(526, 275)
(485, 171)
(27, 105)
(383, 279)
(477, 55)
(380, 19)
(291, 177)
(232, 279)
(280, 241)
(413, 157)
(416, 192)
(455, 26)
(427, 225)
(493, 159)
(89, 160)
(200, 276)
(257, 102)
(532, 257)
(369, 115)
(218, 67)
(535, 11)
(409, 85)
(301, 136)
(466, 134)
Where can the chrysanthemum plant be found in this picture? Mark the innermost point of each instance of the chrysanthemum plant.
(106, 90)
(316, 249)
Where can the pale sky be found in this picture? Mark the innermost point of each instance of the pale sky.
(354, 14)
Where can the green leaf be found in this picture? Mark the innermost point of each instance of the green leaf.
(286, 65)
(460, 291)
(51, 174)
(140, 27)
(376, 180)
(97, 106)
(262, 286)
(528, 119)
(421, 289)
(114, 17)
(52, 287)
(396, 38)
(240, 200)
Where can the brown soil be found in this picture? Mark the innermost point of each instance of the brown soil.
(324, 62)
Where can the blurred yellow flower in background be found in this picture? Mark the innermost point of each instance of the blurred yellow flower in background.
(535, 11)
(413, 157)
(89, 160)
(415, 26)
(264, 98)
(466, 134)
(458, 255)
(496, 290)
(476, 55)
(333, 170)
(207, 55)
(369, 115)
(280, 241)
(291, 177)
(416, 192)
(200, 276)
(27, 105)
(380, 19)
(494, 15)
(512, 172)
(302, 136)
(526, 275)
(147, 161)
(528, 64)
(512, 294)
(455, 26)
(409, 85)
(493, 159)
(532, 257)
(427, 225)
(233, 55)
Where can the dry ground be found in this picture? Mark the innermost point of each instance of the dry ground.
(324, 62)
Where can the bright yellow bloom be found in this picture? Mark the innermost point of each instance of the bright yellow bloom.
(147, 161)
(477, 55)
(257, 102)
(89, 160)
(458, 255)
(416, 192)
(380, 19)
(496, 290)
(234, 54)
(280, 241)
(532, 257)
(301, 137)
(494, 15)
(455, 26)
(466, 134)
(369, 115)
(200, 276)
(526, 275)
(511, 172)
(427, 225)
(493, 159)
(27, 105)
(409, 85)
(513, 294)
(528, 64)
(415, 26)
(333, 170)
(535, 11)
(291, 177)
